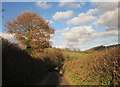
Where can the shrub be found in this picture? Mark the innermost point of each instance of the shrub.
(55, 58)
(52, 57)
(19, 68)
(100, 69)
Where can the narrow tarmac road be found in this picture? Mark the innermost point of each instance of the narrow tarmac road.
(64, 81)
(54, 79)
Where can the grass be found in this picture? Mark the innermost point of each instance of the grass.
(71, 55)
(92, 68)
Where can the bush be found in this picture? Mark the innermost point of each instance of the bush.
(100, 69)
(19, 68)
(52, 57)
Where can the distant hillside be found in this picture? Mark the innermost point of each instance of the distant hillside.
(18, 67)
(100, 48)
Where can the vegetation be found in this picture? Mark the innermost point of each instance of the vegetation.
(82, 68)
(72, 55)
(19, 68)
(31, 30)
(100, 48)
(102, 68)
(96, 66)
(28, 65)
(52, 57)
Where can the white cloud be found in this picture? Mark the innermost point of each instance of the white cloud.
(105, 6)
(83, 18)
(69, 5)
(62, 47)
(116, 39)
(107, 13)
(43, 5)
(109, 20)
(81, 35)
(106, 33)
(50, 22)
(104, 42)
(92, 11)
(76, 36)
(62, 15)
(9, 37)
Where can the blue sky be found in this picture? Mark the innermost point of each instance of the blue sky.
(77, 24)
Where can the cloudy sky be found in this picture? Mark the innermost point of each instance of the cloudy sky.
(77, 24)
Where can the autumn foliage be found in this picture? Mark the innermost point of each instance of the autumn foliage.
(31, 30)
(102, 68)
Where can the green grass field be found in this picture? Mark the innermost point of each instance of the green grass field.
(71, 55)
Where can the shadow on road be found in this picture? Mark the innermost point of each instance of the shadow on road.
(54, 79)
(19, 68)
(51, 79)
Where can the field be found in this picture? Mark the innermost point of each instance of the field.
(72, 55)
(93, 67)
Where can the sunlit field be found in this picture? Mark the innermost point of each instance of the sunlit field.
(99, 69)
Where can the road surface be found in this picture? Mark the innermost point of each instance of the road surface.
(54, 79)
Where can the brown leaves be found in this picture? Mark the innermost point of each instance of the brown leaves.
(31, 29)
(95, 70)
